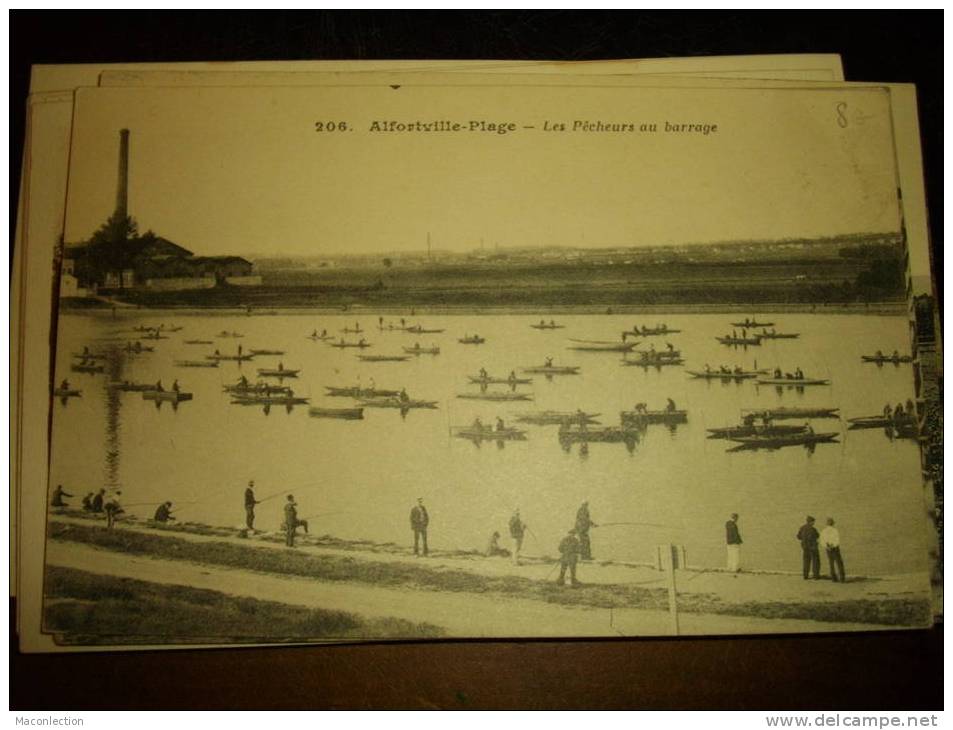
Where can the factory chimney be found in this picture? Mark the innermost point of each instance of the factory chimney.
(122, 186)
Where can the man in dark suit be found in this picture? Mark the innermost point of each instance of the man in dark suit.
(419, 519)
(250, 503)
(733, 540)
(808, 535)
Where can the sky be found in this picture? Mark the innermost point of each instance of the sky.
(240, 170)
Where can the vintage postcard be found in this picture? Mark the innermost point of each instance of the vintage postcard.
(338, 363)
(49, 121)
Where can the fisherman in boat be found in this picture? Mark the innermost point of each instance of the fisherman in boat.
(88, 503)
(217, 353)
(549, 362)
(707, 368)
(798, 373)
(243, 381)
(403, 395)
(64, 385)
(361, 342)
(58, 494)
(896, 355)
(477, 425)
(163, 512)
(879, 354)
(670, 346)
(734, 334)
(483, 374)
(777, 373)
(512, 377)
(500, 426)
(281, 366)
(314, 333)
(493, 548)
(324, 333)
(552, 323)
(888, 411)
(159, 387)
(671, 405)
(175, 386)
(239, 350)
(542, 323)
(738, 370)
(898, 413)
(749, 419)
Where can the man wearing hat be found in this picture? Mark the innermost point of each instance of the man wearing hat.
(830, 539)
(517, 531)
(569, 548)
(250, 503)
(733, 540)
(808, 536)
(419, 519)
(292, 523)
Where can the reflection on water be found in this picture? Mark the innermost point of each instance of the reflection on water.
(678, 485)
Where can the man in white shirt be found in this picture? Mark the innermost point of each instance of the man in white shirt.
(830, 539)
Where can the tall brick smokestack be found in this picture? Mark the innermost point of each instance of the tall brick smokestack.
(122, 185)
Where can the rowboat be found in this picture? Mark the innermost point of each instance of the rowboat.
(278, 373)
(383, 358)
(489, 433)
(360, 345)
(403, 405)
(488, 380)
(882, 359)
(422, 350)
(267, 352)
(752, 430)
(881, 421)
(80, 368)
(418, 330)
(607, 434)
(639, 418)
(353, 330)
(357, 391)
(602, 347)
(556, 418)
(778, 414)
(793, 382)
(174, 396)
(756, 340)
(89, 356)
(223, 333)
(543, 326)
(235, 358)
(650, 332)
(552, 370)
(130, 387)
(657, 362)
(282, 399)
(198, 342)
(352, 414)
(754, 324)
(779, 335)
(196, 363)
(714, 375)
(475, 340)
(495, 396)
(66, 393)
(255, 389)
(803, 438)
(320, 338)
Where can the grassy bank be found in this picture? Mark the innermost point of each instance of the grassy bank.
(85, 608)
(330, 568)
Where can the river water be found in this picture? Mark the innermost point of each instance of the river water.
(359, 479)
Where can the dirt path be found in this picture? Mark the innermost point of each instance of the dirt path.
(729, 588)
(459, 614)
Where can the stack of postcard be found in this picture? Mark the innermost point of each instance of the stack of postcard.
(331, 351)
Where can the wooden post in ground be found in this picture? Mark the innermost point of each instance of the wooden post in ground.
(669, 558)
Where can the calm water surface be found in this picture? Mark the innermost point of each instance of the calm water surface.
(359, 479)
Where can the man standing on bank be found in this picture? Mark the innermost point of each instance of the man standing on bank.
(733, 540)
(419, 519)
(811, 555)
(517, 531)
(583, 523)
(830, 539)
(250, 503)
(569, 548)
(292, 523)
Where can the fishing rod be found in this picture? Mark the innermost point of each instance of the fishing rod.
(637, 524)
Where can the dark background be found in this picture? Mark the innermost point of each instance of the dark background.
(896, 670)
